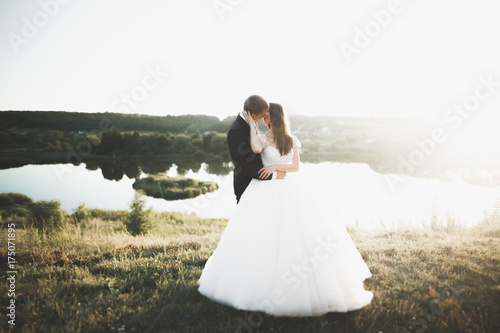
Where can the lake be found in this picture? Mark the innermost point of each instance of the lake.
(353, 193)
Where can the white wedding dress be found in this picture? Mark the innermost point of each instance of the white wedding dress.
(282, 254)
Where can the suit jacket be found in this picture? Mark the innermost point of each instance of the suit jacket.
(246, 163)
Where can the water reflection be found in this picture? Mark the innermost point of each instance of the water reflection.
(115, 170)
(352, 192)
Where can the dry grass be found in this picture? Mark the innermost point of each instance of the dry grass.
(94, 277)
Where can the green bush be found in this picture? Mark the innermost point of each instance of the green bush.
(47, 216)
(182, 144)
(14, 204)
(82, 213)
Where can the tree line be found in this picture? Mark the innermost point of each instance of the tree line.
(101, 121)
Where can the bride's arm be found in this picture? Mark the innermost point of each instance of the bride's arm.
(255, 142)
(293, 167)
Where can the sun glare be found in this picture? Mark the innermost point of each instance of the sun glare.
(478, 141)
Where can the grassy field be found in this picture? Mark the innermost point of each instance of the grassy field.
(95, 277)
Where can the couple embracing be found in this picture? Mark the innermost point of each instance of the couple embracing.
(280, 252)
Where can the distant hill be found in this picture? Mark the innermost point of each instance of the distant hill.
(85, 121)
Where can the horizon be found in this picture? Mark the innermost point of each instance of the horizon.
(361, 59)
(221, 119)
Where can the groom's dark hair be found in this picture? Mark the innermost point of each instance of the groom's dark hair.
(256, 105)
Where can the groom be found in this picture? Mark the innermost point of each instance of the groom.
(246, 163)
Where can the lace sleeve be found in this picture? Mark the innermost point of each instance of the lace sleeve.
(296, 141)
(262, 138)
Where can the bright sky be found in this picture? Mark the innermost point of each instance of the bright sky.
(318, 57)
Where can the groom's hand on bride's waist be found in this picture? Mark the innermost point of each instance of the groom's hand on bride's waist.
(280, 174)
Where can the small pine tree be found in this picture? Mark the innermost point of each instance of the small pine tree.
(137, 220)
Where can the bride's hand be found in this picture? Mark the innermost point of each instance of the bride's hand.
(248, 117)
(267, 171)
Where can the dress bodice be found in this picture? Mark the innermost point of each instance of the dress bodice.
(271, 155)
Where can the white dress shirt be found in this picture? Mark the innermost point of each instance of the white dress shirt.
(242, 116)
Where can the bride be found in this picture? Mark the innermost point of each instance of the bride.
(281, 253)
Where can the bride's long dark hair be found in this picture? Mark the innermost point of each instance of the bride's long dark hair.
(282, 138)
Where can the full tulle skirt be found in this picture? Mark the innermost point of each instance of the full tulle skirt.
(283, 255)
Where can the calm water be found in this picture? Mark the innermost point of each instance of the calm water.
(350, 191)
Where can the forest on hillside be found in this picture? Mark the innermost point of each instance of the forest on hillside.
(102, 121)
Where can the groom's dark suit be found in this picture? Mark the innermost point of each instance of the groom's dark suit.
(246, 163)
